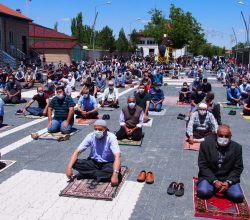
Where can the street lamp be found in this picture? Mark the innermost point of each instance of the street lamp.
(96, 14)
(130, 24)
(245, 23)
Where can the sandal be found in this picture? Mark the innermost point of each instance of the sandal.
(172, 188)
(180, 190)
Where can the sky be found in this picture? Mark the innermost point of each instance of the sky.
(217, 17)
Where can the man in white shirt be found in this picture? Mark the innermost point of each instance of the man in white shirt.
(110, 96)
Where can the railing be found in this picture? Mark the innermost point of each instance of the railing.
(20, 54)
(6, 58)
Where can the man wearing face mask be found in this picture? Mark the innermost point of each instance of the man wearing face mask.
(143, 100)
(13, 91)
(244, 87)
(131, 121)
(43, 104)
(63, 107)
(119, 80)
(201, 124)
(29, 79)
(184, 94)
(197, 97)
(206, 86)
(196, 83)
(100, 83)
(87, 106)
(90, 85)
(146, 81)
(104, 161)
(128, 77)
(110, 96)
(246, 106)
(233, 95)
(71, 82)
(220, 166)
(213, 107)
(156, 98)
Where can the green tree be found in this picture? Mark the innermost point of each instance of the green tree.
(56, 26)
(105, 39)
(122, 42)
(133, 41)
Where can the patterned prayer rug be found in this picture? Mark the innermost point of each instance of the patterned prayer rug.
(183, 104)
(57, 135)
(247, 117)
(225, 105)
(194, 146)
(106, 108)
(170, 100)
(104, 191)
(84, 122)
(130, 142)
(219, 208)
(4, 164)
(148, 123)
(34, 117)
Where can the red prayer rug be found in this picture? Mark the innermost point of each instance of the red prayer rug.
(82, 121)
(219, 207)
(104, 191)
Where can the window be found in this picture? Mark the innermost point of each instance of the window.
(11, 38)
(150, 42)
(142, 41)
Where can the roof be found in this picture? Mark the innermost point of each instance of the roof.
(54, 45)
(8, 11)
(39, 31)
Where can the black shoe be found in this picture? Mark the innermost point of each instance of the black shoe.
(180, 190)
(181, 116)
(93, 184)
(172, 188)
(232, 112)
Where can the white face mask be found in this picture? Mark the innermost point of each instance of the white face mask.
(141, 91)
(244, 83)
(199, 92)
(60, 96)
(111, 87)
(223, 141)
(202, 112)
(131, 105)
(40, 93)
(232, 87)
(69, 77)
(99, 134)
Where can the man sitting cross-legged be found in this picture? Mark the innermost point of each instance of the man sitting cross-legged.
(110, 96)
(87, 106)
(43, 103)
(143, 100)
(201, 124)
(184, 94)
(220, 166)
(104, 161)
(156, 98)
(13, 91)
(63, 107)
(233, 95)
(246, 106)
(131, 121)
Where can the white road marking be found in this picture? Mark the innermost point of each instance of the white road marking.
(33, 194)
(29, 94)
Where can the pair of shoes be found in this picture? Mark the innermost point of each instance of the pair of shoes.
(181, 116)
(148, 177)
(93, 184)
(65, 138)
(232, 112)
(19, 112)
(176, 188)
(106, 117)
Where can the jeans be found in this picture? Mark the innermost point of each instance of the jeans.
(157, 108)
(205, 190)
(57, 125)
(35, 111)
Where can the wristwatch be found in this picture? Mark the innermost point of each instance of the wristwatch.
(229, 182)
(116, 171)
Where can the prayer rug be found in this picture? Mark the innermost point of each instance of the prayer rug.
(130, 142)
(247, 117)
(194, 146)
(4, 127)
(34, 117)
(148, 123)
(225, 105)
(219, 207)
(170, 100)
(84, 122)
(162, 112)
(104, 191)
(4, 164)
(57, 135)
(106, 108)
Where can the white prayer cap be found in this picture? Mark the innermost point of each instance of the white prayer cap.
(100, 122)
(203, 105)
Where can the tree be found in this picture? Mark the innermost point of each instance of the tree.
(105, 39)
(56, 26)
(122, 42)
(133, 41)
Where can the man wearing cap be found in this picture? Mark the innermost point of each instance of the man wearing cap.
(201, 124)
(220, 167)
(110, 96)
(156, 98)
(104, 161)
(71, 82)
(131, 121)
(87, 106)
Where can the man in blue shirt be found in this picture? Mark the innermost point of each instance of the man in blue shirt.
(156, 98)
(233, 95)
(104, 161)
(158, 77)
(244, 87)
(246, 106)
(100, 83)
(87, 106)
(1, 111)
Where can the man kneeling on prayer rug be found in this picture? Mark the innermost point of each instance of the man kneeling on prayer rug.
(220, 166)
(131, 121)
(104, 161)
(201, 124)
